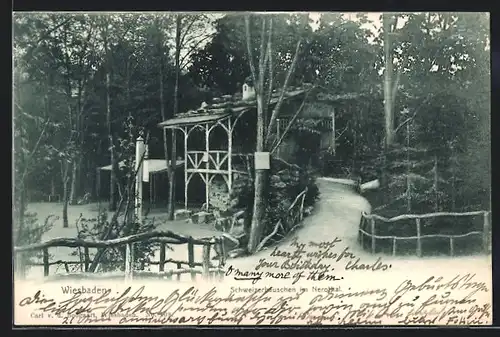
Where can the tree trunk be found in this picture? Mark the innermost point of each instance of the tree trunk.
(171, 178)
(72, 193)
(21, 210)
(388, 101)
(19, 187)
(408, 169)
(436, 187)
(65, 196)
(261, 180)
(112, 181)
(259, 209)
(173, 160)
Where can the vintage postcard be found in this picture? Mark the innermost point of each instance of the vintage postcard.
(279, 168)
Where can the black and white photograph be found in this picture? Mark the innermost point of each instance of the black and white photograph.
(251, 168)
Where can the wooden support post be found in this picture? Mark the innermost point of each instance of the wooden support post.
(278, 129)
(372, 222)
(162, 256)
(191, 259)
(129, 261)
(222, 258)
(451, 247)
(46, 265)
(486, 232)
(207, 166)
(360, 230)
(229, 155)
(206, 261)
(419, 240)
(333, 132)
(139, 151)
(98, 183)
(394, 246)
(151, 182)
(86, 257)
(179, 266)
(186, 135)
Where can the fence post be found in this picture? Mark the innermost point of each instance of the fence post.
(486, 232)
(394, 246)
(129, 261)
(191, 258)
(451, 246)
(222, 257)
(86, 257)
(301, 214)
(46, 265)
(179, 266)
(162, 257)
(206, 261)
(419, 242)
(372, 222)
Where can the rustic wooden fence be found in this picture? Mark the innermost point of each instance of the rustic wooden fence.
(164, 238)
(294, 216)
(369, 220)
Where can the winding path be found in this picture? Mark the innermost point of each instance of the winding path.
(337, 214)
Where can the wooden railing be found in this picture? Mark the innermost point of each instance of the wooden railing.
(164, 238)
(296, 210)
(294, 216)
(371, 220)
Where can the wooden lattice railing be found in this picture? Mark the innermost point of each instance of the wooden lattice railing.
(371, 219)
(164, 238)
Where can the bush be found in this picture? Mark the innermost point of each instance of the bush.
(114, 258)
(33, 232)
(286, 181)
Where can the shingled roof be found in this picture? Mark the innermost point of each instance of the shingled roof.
(221, 107)
(227, 105)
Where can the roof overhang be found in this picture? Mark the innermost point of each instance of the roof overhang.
(213, 115)
(154, 165)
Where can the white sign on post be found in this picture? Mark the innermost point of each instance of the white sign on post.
(262, 160)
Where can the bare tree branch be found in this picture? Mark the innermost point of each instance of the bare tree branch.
(27, 162)
(414, 114)
(270, 65)
(341, 133)
(292, 120)
(190, 51)
(267, 238)
(277, 107)
(46, 35)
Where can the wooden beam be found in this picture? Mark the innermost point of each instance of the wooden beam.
(186, 182)
(419, 239)
(206, 261)
(46, 265)
(191, 259)
(207, 166)
(129, 261)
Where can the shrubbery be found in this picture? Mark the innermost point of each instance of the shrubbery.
(286, 181)
(114, 258)
(32, 232)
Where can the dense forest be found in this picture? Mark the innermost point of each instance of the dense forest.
(421, 123)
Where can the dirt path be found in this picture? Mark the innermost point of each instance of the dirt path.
(337, 214)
